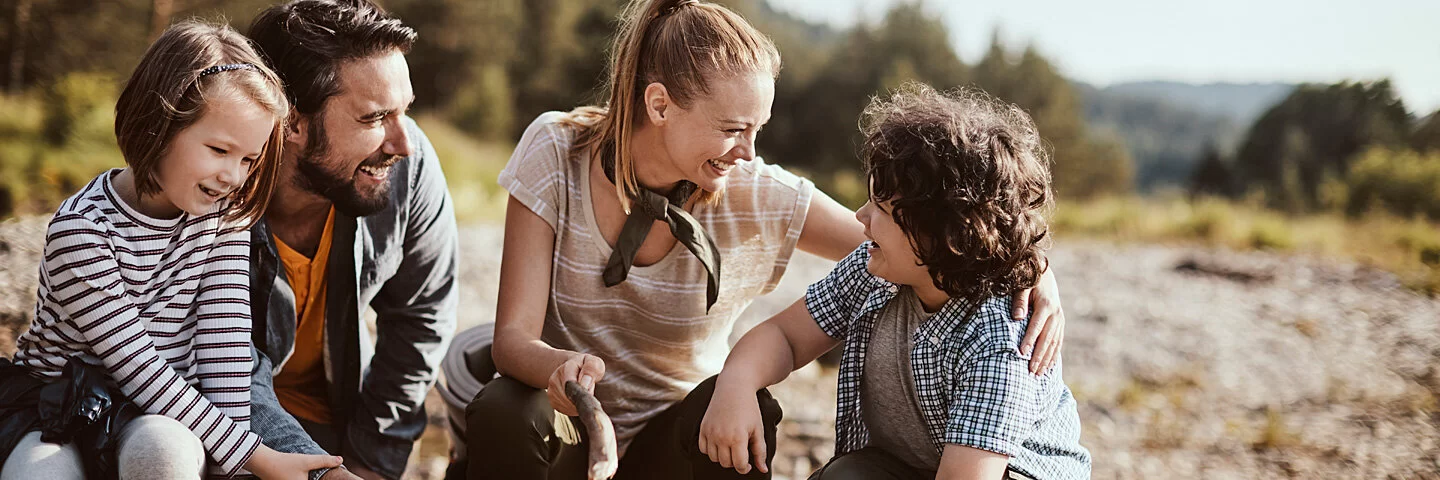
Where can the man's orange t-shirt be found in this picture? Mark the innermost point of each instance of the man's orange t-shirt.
(301, 385)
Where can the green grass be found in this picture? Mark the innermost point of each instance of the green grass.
(471, 167)
(22, 116)
(1275, 433)
(1409, 247)
(35, 175)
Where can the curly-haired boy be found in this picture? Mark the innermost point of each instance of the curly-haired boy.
(932, 383)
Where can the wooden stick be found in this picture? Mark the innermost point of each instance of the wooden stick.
(603, 458)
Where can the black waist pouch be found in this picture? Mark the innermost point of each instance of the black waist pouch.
(19, 395)
(82, 407)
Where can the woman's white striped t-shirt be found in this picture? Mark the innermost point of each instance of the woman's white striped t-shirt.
(162, 304)
(652, 330)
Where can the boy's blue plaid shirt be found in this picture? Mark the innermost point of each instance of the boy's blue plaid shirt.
(975, 388)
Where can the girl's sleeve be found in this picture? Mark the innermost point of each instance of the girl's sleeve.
(221, 345)
(86, 286)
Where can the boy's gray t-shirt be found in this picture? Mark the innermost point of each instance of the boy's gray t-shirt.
(888, 403)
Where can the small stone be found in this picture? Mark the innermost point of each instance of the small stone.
(1384, 430)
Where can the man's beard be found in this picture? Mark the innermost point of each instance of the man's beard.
(339, 187)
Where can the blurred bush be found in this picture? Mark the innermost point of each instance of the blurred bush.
(472, 167)
(79, 105)
(54, 141)
(1404, 182)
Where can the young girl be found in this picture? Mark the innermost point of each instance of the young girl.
(933, 383)
(146, 268)
(635, 235)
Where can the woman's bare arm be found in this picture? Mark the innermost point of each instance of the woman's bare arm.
(774, 348)
(831, 230)
(524, 292)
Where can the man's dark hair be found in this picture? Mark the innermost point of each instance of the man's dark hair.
(305, 41)
(969, 180)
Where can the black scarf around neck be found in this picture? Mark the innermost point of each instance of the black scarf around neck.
(648, 207)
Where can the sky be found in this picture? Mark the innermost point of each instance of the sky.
(1110, 41)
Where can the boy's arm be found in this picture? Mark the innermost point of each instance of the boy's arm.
(732, 432)
(959, 462)
(770, 351)
(221, 344)
(995, 405)
(803, 331)
(993, 410)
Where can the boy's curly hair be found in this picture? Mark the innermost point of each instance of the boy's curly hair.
(969, 179)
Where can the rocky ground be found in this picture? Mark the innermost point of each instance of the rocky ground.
(1188, 363)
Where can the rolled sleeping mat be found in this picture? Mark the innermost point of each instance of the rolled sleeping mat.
(465, 370)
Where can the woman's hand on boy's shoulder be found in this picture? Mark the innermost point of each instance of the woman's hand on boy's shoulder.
(1046, 332)
(732, 432)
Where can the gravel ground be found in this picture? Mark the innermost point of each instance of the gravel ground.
(1187, 362)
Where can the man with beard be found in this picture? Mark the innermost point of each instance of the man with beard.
(361, 216)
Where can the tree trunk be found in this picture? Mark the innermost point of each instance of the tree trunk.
(17, 45)
(160, 12)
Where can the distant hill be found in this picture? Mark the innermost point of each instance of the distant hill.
(1241, 102)
(1167, 125)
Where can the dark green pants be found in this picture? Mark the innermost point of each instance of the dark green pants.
(872, 463)
(513, 435)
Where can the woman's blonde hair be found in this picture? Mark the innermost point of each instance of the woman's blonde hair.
(167, 94)
(681, 44)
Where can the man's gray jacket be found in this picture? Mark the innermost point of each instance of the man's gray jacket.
(401, 262)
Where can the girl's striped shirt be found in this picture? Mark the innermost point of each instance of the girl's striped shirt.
(161, 304)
